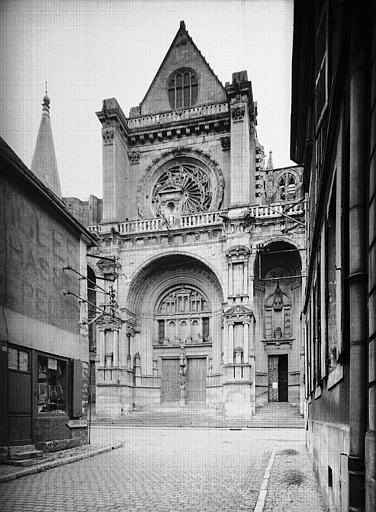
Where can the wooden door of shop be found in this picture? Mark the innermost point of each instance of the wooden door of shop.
(19, 407)
(196, 379)
(170, 385)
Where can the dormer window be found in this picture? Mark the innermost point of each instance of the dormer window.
(182, 89)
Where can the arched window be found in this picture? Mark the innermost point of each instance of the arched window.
(182, 89)
(185, 313)
(287, 187)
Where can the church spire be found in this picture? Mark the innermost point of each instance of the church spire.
(44, 164)
(269, 165)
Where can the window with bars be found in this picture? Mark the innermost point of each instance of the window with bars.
(182, 89)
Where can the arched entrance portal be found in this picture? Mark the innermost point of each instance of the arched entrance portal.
(177, 305)
(278, 293)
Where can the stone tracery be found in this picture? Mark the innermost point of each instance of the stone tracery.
(192, 182)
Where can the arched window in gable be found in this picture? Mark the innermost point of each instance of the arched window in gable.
(287, 187)
(182, 89)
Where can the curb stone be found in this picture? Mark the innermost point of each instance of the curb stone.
(59, 462)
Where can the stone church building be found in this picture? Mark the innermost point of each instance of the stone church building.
(209, 248)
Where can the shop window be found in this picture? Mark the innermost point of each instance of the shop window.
(18, 360)
(52, 385)
(182, 89)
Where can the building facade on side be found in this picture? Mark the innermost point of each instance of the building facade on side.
(44, 341)
(333, 135)
(209, 245)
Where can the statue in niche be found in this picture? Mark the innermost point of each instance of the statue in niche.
(277, 314)
(277, 298)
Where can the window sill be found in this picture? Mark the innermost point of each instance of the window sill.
(317, 392)
(335, 376)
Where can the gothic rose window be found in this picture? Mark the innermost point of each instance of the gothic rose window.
(287, 187)
(192, 183)
(182, 89)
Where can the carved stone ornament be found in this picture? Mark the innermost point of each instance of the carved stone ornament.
(109, 267)
(108, 135)
(238, 253)
(226, 143)
(134, 157)
(238, 113)
(239, 313)
(135, 112)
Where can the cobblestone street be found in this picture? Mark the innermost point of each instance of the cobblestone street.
(174, 470)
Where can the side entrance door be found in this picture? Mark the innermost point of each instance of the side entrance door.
(196, 379)
(283, 378)
(278, 378)
(273, 378)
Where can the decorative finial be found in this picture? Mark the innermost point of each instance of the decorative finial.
(269, 165)
(46, 102)
(182, 24)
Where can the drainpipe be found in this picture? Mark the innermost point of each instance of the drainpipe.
(357, 281)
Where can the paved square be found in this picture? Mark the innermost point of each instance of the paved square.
(163, 470)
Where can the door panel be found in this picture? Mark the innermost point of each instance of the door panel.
(196, 380)
(273, 378)
(170, 385)
(19, 407)
(283, 378)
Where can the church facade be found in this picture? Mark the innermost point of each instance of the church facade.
(209, 248)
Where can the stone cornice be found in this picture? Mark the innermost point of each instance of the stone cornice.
(112, 116)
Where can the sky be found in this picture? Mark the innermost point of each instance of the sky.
(88, 50)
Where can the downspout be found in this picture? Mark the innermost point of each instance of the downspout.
(370, 444)
(357, 280)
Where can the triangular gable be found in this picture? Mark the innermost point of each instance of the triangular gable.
(183, 53)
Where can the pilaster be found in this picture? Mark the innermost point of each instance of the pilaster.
(115, 161)
(242, 115)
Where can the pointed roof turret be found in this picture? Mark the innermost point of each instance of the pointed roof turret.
(44, 164)
(269, 165)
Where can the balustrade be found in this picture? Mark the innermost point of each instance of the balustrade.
(194, 220)
(169, 117)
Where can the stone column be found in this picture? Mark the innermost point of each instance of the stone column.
(246, 342)
(115, 349)
(129, 358)
(101, 348)
(245, 278)
(231, 342)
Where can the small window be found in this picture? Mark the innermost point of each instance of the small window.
(182, 89)
(18, 360)
(287, 187)
(52, 385)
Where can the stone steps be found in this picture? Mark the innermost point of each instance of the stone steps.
(23, 455)
(270, 416)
